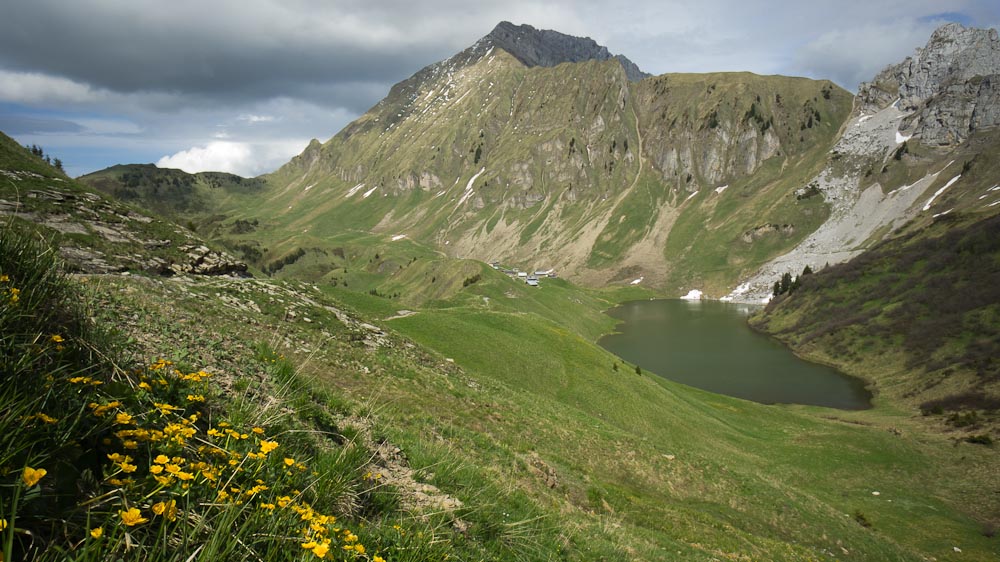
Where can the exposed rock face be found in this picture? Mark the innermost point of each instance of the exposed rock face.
(951, 86)
(204, 261)
(543, 47)
(939, 97)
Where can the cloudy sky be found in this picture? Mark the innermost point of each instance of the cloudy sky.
(242, 85)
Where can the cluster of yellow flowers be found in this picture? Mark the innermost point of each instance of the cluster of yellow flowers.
(9, 292)
(163, 451)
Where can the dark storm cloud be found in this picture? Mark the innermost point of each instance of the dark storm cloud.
(248, 52)
(246, 83)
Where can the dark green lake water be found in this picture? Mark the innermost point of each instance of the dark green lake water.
(707, 344)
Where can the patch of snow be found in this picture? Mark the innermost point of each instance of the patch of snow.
(308, 187)
(940, 191)
(943, 214)
(693, 295)
(766, 299)
(876, 493)
(895, 104)
(690, 196)
(900, 139)
(369, 192)
(997, 202)
(398, 237)
(721, 188)
(354, 189)
(468, 187)
(637, 281)
(446, 242)
(439, 194)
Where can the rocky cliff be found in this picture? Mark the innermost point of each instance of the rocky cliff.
(950, 88)
(921, 145)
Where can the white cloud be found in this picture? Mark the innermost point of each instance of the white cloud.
(251, 118)
(33, 88)
(241, 158)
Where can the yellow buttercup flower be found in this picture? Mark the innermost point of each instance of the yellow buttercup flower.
(321, 549)
(289, 462)
(378, 558)
(3, 524)
(56, 338)
(122, 418)
(31, 476)
(268, 446)
(132, 517)
(97, 532)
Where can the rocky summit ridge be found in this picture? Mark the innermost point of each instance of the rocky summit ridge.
(544, 47)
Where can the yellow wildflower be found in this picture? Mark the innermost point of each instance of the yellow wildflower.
(122, 418)
(165, 409)
(359, 548)
(4, 279)
(132, 517)
(309, 545)
(321, 549)
(196, 398)
(97, 532)
(145, 386)
(46, 418)
(56, 338)
(31, 476)
(169, 509)
(172, 510)
(161, 459)
(128, 468)
(155, 469)
(268, 446)
(378, 558)
(267, 506)
(258, 430)
(289, 461)
(3, 524)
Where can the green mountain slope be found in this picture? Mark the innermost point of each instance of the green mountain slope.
(570, 166)
(919, 315)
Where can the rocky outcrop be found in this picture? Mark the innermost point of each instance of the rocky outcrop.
(205, 261)
(950, 87)
(544, 47)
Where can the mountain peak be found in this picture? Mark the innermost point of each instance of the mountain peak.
(950, 87)
(544, 47)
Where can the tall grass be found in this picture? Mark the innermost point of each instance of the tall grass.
(105, 460)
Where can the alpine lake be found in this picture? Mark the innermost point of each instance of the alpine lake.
(708, 345)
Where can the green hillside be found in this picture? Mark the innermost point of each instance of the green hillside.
(918, 315)
(499, 428)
